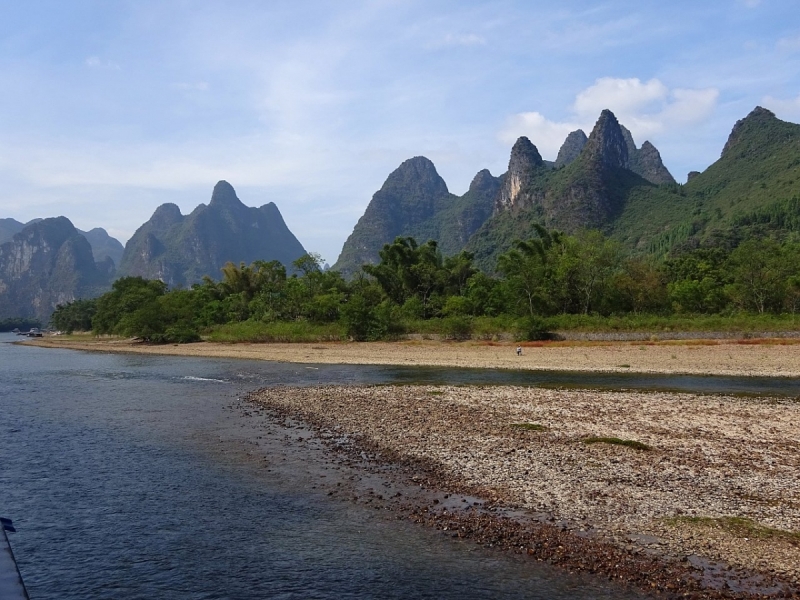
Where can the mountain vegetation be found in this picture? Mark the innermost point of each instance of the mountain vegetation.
(180, 250)
(541, 283)
(606, 233)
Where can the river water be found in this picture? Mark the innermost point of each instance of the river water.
(138, 477)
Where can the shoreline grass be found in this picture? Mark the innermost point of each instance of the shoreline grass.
(615, 441)
(742, 527)
(530, 426)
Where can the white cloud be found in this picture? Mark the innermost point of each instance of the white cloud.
(546, 135)
(646, 108)
(625, 95)
(784, 109)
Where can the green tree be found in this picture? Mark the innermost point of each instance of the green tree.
(759, 273)
(527, 270)
(127, 295)
(74, 316)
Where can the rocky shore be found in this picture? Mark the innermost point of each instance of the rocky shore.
(687, 495)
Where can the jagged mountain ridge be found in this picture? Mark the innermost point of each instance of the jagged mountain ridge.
(645, 161)
(414, 201)
(46, 263)
(753, 189)
(604, 181)
(180, 250)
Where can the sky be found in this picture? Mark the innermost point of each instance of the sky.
(110, 108)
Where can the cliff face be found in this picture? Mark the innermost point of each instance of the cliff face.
(45, 264)
(525, 160)
(180, 250)
(414, 201)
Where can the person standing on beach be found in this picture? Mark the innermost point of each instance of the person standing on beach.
(519, 350)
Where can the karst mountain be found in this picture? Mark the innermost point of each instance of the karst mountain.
(601, 181)
(181, 249)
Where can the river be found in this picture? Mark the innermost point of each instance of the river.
(142, 477)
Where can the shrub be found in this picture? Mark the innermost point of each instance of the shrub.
(457, 327)
(532, 329)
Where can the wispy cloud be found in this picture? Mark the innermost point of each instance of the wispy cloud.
(783, 108)
(95, 62)
(646, 108)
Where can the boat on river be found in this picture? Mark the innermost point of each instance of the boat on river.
(11, 585)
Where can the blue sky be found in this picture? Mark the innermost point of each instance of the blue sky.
(110, 108)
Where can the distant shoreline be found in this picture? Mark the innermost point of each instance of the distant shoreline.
(763, 357)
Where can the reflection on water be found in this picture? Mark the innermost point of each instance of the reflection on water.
(127, 477)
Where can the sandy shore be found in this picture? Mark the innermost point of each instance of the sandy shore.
(718, 483)
(742, 357)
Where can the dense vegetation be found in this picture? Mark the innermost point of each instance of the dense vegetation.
(552, 280)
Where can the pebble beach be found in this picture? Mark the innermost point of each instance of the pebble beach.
(702, 478)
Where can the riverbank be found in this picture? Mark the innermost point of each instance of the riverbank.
(754, 357)
(680, 493)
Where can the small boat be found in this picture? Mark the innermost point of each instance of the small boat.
(16, 330)
(35, 332)
(11, 585)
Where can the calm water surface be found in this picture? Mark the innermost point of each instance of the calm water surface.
(131, 477)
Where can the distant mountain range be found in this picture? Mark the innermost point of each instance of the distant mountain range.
(600, 181)
(47, 262)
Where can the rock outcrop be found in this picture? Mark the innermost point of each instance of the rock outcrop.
(646, 161)
(103, 245)
(607, 145)
(571, 148)
(524, 161)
